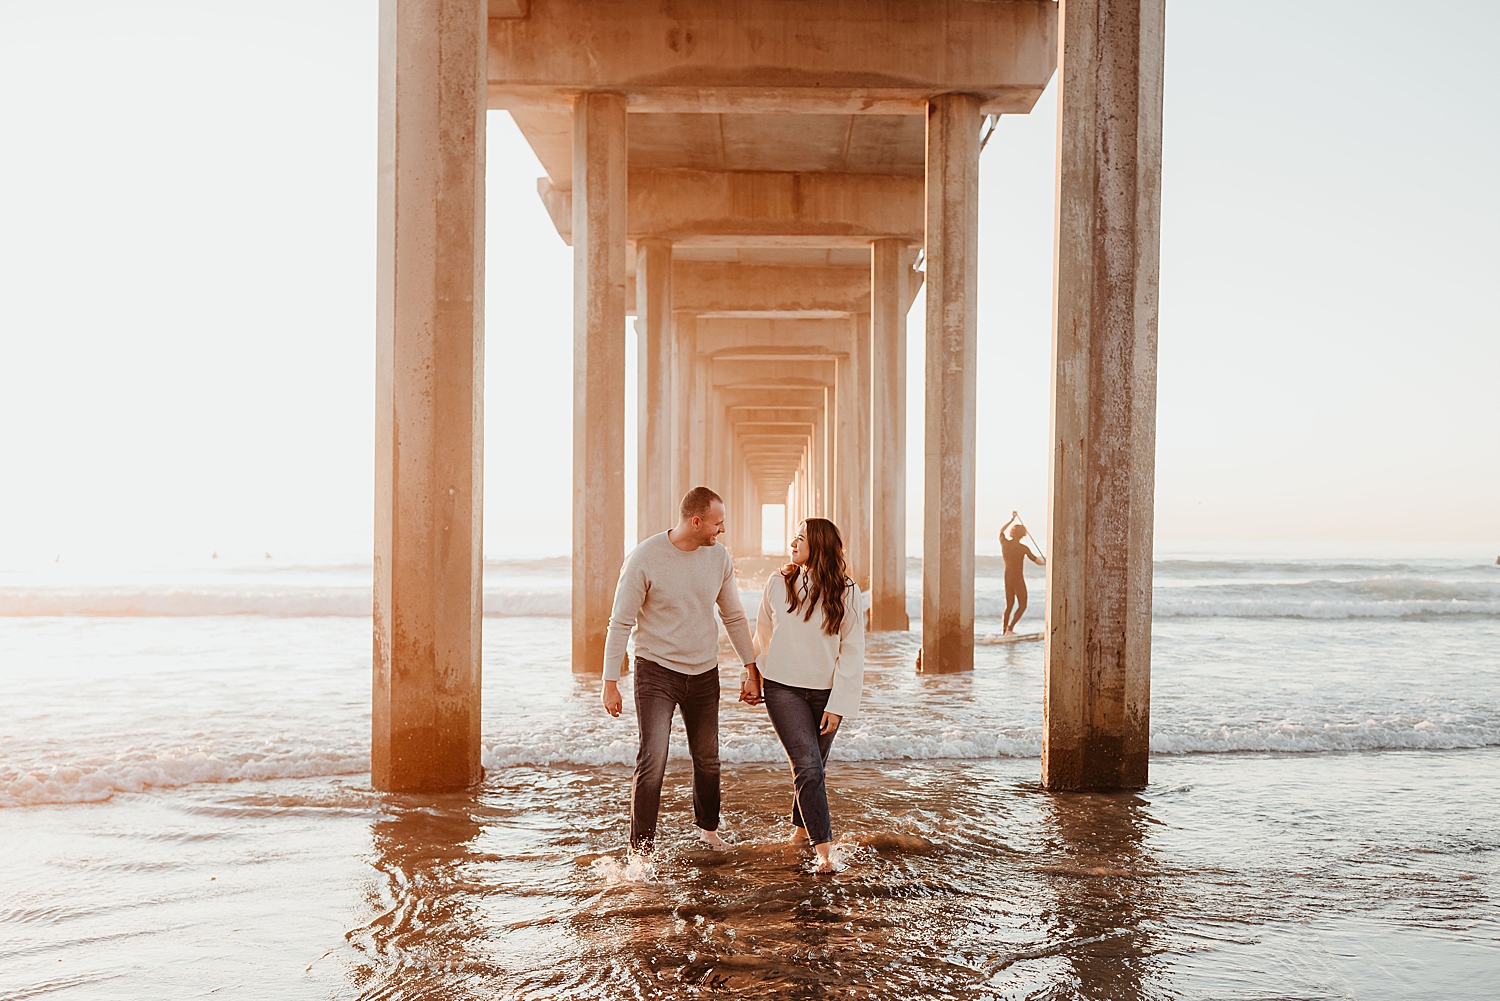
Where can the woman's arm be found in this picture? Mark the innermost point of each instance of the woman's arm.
(849, 669)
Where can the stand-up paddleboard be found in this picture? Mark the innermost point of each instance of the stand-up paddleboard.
(1013, 638)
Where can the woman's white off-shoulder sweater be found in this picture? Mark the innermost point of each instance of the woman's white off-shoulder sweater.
(799, 653)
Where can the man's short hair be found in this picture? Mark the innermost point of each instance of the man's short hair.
(695, 502)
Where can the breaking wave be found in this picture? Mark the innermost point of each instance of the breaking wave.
(288, 603)
(62, 784)
(96, 783)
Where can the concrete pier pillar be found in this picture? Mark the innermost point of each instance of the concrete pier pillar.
(1097, 695)
(598, 368)
(857, 539)
(888, 435)
(656, 505)
(684, 360)
(852, 455)
(429, 391)
(953, 122)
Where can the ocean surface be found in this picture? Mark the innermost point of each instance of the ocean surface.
(185, 809)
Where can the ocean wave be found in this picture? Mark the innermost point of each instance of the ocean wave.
(288, 603)
(959, 744)
(66, 784)
(96, 783)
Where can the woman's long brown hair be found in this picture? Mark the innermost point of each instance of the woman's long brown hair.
(827, 576)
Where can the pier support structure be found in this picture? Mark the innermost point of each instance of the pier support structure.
(953, 123)
(888, 305)
(1096, 717)
(598, 368)
(429, 391)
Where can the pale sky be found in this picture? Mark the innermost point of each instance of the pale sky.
(187, 208)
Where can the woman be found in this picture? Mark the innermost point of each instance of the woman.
(810, 641)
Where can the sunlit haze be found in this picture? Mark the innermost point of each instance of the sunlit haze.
(187, 222)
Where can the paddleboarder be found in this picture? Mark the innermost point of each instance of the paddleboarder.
(1016, 553)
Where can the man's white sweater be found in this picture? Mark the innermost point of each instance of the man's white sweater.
(667, 596)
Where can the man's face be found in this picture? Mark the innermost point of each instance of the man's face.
(710, 525)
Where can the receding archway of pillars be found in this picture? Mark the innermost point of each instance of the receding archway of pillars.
(763, 168)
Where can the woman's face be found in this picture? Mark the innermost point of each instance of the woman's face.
(799, 546)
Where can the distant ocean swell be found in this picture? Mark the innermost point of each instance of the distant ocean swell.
(1369, 598)
(93, 783)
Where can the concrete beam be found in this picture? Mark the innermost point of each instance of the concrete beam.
(429, 398)
(760, 209)
(1097, 695)
(716, 287)
(772, 56)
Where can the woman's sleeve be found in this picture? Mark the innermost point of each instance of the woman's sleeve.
(763, 624)
(849, 669)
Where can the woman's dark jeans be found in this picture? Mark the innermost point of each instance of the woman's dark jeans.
(658, 691)
(797, 713)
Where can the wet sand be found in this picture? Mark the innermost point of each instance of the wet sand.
(1254, 876)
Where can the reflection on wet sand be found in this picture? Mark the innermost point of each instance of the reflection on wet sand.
(1106, 892)
(958, 882)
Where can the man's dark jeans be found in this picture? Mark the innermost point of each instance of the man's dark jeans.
(659, 690)
(797, 713)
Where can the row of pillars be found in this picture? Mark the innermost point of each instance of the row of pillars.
(850, 464)
(430, 358)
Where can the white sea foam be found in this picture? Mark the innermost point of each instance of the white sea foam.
(92, 783)
(1379, 598)
(961, 744)
(282, 603)
(61, 784)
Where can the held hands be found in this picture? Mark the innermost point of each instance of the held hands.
(611, 697)
(750, 692)
(830, 723)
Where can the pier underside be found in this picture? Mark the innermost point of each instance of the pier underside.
(756, 184)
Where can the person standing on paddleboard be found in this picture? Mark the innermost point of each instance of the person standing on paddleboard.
(1016, 553)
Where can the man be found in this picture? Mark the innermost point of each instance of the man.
(667, 591)
(1016, 553)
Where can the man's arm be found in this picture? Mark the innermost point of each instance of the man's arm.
(630, 594)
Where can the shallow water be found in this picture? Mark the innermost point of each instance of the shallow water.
(184, 811)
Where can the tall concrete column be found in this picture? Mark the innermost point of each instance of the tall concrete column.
(857, 540)
(953, 122)
(598, 369)
(655, 504)
(1097, 696)
(429, 397)
(888, 435)
(684, 361)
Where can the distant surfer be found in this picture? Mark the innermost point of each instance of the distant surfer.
(1016, 553)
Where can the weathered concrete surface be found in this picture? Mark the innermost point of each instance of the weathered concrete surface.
(1098, 660)
(749, 208)
(656, 505)
(722, 288)
(887, 282)
(953, 122)
(429, 391)
(847, 56)
(598, 369)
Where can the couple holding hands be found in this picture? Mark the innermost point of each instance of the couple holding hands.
(806, 662)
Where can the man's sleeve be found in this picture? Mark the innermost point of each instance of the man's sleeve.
(732, 611)
(630, 594)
